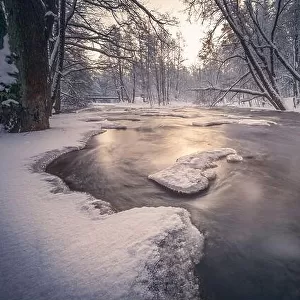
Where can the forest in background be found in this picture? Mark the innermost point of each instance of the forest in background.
(57, 54)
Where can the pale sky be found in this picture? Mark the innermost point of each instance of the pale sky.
(192, 33)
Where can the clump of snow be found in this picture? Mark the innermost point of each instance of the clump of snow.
(191, 173)
(234, 158)
(50, 13)
(234, 116)
(8, 70)
(94, 119)
(210, 174)
(111, 125)
(252, 122)
(50, 249)
(9, 102)
(205, 159)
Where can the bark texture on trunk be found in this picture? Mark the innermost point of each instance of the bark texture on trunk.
(29, 42)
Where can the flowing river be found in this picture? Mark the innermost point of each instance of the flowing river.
(250, 214)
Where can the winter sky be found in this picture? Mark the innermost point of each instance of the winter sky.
(192, 32)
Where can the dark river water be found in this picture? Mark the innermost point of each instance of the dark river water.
(250, 215)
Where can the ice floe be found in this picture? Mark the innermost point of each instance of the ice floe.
(192, 173)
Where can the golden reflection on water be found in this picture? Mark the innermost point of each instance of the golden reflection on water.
(157, 143)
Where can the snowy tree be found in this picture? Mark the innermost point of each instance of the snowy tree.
(28, 41)
(45, 32)
(257, 31)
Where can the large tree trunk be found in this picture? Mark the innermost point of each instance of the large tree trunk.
(29, 42)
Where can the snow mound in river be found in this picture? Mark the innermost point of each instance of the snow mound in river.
(191, 173)
(111, 125)
(181, 178)
(234, 158)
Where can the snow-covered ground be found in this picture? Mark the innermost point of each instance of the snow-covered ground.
(287, 102)
(55, 245)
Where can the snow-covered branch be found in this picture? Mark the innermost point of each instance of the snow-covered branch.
(233, 89)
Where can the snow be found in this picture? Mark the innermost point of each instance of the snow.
(252, 122)
(55, 245)
(182, 179)
(289, 104)
(162, 114)
(234, 158)
(8, 102)
(210, 174)
(111, 125)
(50, 13)
(191, 173)
(205, 159)
(234, 116)
(7, 70)
(212, 123)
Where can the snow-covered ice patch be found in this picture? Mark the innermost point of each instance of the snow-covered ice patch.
(94, 119)
(251, 122)
(234, 116)
(191, 173)
(234, 158)
(111, 125)
(162, 114)
(205, 159)
(182, 179)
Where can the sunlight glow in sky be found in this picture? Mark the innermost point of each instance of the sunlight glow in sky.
(192, 32)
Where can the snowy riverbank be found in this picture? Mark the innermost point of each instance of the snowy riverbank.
(53, 247)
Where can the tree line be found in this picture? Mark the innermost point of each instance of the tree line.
(251, 50)
(62, 50)
(63, 47)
